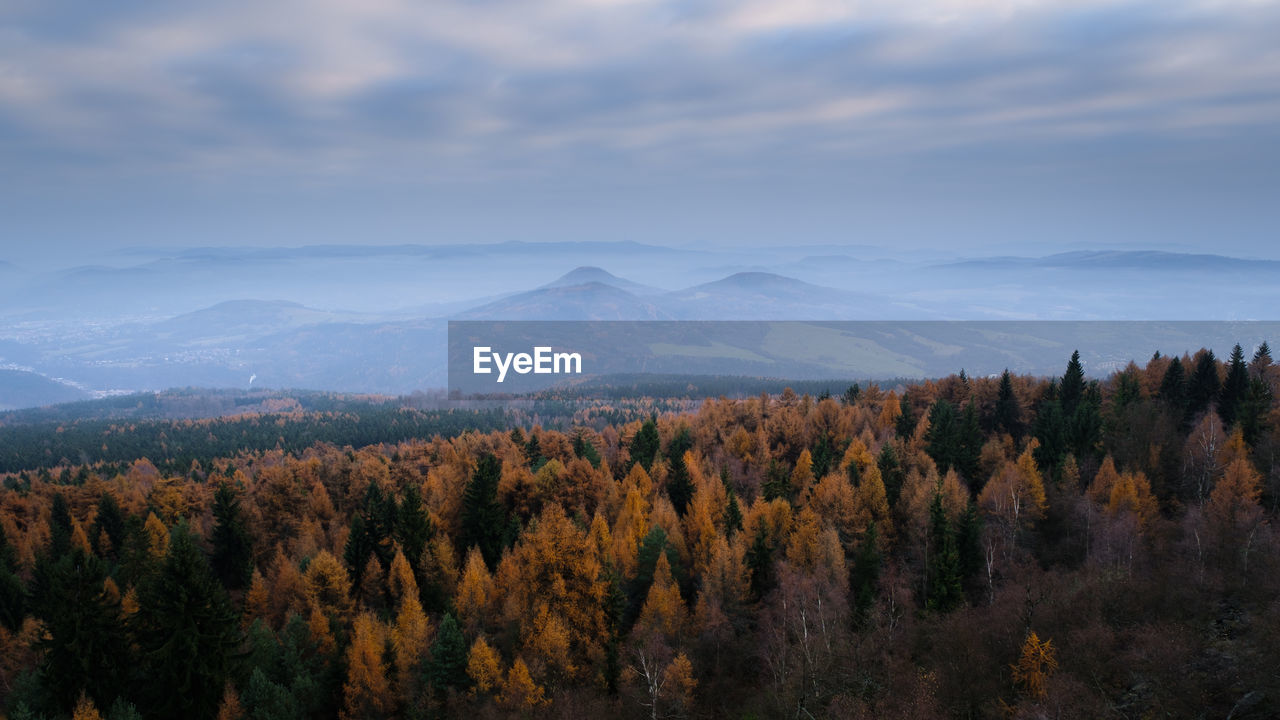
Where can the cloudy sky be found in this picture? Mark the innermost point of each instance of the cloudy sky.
(977, 125)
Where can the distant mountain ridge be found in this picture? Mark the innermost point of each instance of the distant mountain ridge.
(591, 274)
(1124, 260)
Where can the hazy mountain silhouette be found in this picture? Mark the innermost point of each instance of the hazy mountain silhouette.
(590, 274)
(588, 301)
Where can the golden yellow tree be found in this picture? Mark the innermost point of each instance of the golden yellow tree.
(484, 667)
(327, 586)
(552, 581)
(663, 612)
(519, 691)
(85, 709)
(367, 691)
(1036, 664)
(475, 591)
(1234, 514)
(230, 707)
(410, 639)
(400, 580)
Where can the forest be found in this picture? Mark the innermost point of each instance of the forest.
(1003, 547)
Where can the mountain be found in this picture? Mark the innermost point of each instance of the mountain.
(1141, 260)
(768, 296)
(588, 301)
(241, 319)
(589, 274)
(20, 388)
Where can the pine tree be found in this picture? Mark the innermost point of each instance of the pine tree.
(413, 526)
(1173, 388)
(905, 426)
(969, 542)
(1050, 430)
(1204, 387)
(1261, 357)
(732, 514)
(760, 564)
(968, 447)
(448, 667)
(891, 473)
(372, 529)
(864, 573)
(851, 394)
(1008, 414)
(108, 527)
(232, 545)
(483, 518)
(1235, 390)
(187, 633)
(84, 646)
(12, 595)
(945, 590)
(59, 527)
(644, 446)
(1072, 389)
(943, 435)
(1253, 412)
(679, 485)
(1085, 426)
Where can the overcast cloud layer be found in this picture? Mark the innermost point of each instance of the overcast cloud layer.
(947, 123)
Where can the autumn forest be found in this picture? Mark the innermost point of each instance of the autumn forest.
(1012, 546)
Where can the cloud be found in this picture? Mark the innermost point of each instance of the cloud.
(468, 89)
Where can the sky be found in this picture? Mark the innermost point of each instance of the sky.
(969, 125)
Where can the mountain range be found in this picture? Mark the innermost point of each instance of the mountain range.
(373, 319)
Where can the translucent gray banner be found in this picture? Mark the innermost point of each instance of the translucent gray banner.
(487, 357)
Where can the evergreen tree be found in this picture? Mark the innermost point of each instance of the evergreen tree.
(1085, 429)
(1261, 356)
(679, 485)
(851, 394)
(905, 426)
(1071, 391)
(232, 544)
(864, 573)
(732, 514)
(777, 481)
(1254, 410)
(1050, 430)
(644, 446)
(823, 454)
(969, 542)
(583, 448)
(760, 564)
(448, 666)
(1235, 390)
(59, 527)
(83, 645)
(483, 518)
(1128, 389)
(653, 545)
(1008, 414)
(108, 525)
(12, 597)
(968, 447)
(891, 473)
(372, 528)
(943, 435)
(187, 633)
(413, 525)
(945, 590)
(1204, 386)
(1173, 388)
(533, 452)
